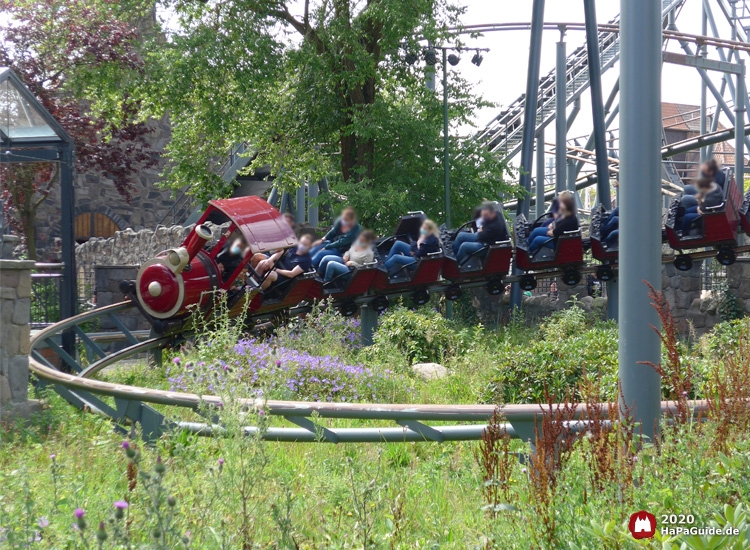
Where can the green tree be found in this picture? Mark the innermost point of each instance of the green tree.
(323, 92)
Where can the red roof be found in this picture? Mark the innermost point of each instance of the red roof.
(260, 223)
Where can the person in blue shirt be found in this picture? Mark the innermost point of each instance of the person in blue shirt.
(403, 253)
(566, 221)
(294, 262)
(339, 239)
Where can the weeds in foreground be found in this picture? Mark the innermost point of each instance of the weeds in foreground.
(497, 464)
(677, 374)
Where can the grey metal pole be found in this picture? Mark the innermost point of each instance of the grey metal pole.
(597, 104)
(299, 215)
(640, 208)
(561, 124)
(368, 317)
(69, 287)
(704, 89)
(574, 113)
(312, 206)
(610, 118)
(739, 118)
(539, 203)
(530, 107)
(715, 119)
(273, 196)
(446, 152)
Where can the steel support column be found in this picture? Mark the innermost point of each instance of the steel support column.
(739, 118)
(273, 196)
(539, 203)
(446, 144)
(561, 124)
(529, 124)
(69, 287)
(597, 104)
(704, 89)
(368, 316)
(312, 204)
(530, 106)
(299, 215)
(640, 208)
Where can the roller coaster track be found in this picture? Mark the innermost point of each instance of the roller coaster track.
(130, 406)
(504, 133)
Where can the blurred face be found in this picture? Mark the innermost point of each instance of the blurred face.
(424, 230)
(237, 247)
(564, 210)
(706, 170)
(289, 219)
(305, 242)
(487, 214)
(704, 186)
(348, 219)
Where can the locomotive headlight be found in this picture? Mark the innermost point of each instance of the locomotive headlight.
(178, 258)
(154, 288)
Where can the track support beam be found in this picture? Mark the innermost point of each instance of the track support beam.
(640, 208)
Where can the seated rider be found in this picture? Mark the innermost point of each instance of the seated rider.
(230, 257)
(491, 231)
(358, 255)
(294, 262)
(402, 253)
(567, 221)
(711, 170)
(339, 238)
(544, 227)
(710, 194)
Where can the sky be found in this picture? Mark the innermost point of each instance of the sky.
(502, 76)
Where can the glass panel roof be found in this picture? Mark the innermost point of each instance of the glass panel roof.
(21, 119)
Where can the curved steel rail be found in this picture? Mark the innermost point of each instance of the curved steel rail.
(132, 403)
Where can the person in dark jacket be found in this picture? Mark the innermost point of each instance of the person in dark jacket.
(711, 170)
(492, 230)
(567, 221)
(710, 195)
(403, 253)
(555, 210)
(339, 239)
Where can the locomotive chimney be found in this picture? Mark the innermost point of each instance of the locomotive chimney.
(178, 258)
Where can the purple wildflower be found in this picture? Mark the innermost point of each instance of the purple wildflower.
(43, 522)
(121, 504)
(79, 513)
(125, 444)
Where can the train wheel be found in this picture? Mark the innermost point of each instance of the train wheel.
(495, 287)
(683, 262)
(453, 293)
(605, 272)
(726, 256)
(527, 282)
(381, 303)
(347, 309)
(571, 277)
(420, 297)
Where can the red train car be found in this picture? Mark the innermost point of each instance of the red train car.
(416, 277)
(607, 253)
(567, 254)
(176, 280)
(718, 227)
(491, 263)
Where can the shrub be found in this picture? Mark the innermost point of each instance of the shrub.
(422, 335)
(569, 345)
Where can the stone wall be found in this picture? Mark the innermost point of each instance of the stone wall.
(15, 313)
(695, 310)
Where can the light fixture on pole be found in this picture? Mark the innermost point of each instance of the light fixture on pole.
(429, 57)
(453, 59)
(477, 59)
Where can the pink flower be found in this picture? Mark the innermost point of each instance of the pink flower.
(79, 513)
(121, 504)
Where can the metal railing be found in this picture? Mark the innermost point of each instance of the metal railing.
(45, 294)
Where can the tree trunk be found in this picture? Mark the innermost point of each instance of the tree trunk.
(29, 232)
